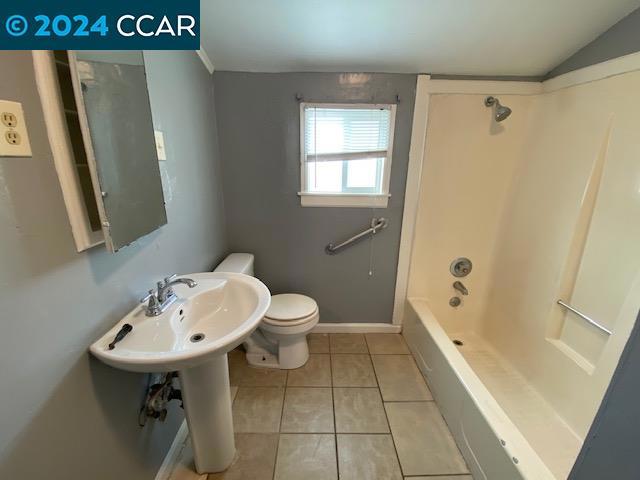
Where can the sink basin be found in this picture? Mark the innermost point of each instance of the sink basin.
(193, 337)
(207, 320)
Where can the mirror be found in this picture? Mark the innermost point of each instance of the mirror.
(117, 128)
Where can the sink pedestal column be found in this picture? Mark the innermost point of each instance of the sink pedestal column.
(207, 406)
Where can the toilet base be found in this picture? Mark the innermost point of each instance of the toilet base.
(280, 347)
(292, 353)
(263, 360)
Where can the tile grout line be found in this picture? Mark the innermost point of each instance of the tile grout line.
(436, 475)
(351, 353)
(364, 353)
(387, 353)
(393, 440)
(367, 344)
(403, 342)
(408, 401)
(330, 386)
(455, 443)
(335, 426)
(421, 376)
(348, 353)
(322, 433)
(284, 396)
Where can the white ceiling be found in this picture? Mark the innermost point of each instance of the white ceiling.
(464, 37)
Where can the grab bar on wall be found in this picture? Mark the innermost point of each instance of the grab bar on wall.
(376, 225)
(585, 317)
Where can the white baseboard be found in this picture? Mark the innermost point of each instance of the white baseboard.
(173, 455)
(357, 328)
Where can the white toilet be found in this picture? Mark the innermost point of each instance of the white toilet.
(281, 338)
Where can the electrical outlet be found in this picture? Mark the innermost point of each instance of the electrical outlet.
(9, 119)
(14, 139)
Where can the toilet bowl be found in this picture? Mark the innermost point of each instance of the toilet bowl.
(281, 338)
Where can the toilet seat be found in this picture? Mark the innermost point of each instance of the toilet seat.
(288, 323)
(290, 309)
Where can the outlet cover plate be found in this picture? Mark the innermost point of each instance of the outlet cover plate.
(15, 129)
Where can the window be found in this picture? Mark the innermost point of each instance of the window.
(346, 154)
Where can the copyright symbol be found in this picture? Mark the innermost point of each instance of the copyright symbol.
(16, 25)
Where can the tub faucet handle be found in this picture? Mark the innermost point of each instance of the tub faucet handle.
(459, 286)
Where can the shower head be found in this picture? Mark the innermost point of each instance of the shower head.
(502, 112)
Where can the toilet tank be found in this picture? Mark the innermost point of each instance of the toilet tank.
(237, 263)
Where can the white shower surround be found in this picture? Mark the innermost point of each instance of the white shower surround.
(518, 380)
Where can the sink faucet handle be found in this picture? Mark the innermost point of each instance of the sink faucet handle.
(169, 278)
(147, 296)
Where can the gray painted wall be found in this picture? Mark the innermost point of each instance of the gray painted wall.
(258, 124)
(63, 414)
(611, 447)
(621, 39)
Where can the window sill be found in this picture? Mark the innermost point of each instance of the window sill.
(344, 200)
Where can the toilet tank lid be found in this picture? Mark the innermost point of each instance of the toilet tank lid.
(291, 306)
(236, 263)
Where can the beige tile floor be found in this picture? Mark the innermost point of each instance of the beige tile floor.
(358, 410)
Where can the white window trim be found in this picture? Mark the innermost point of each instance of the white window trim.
(362, 200)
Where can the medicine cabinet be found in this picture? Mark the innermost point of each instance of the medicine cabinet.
(98, 115)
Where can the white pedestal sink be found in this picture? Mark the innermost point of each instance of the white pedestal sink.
(193, 337)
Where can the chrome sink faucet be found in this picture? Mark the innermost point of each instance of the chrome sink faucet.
(459, 286)
(161, 299)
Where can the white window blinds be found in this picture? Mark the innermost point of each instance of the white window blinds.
(342, 134)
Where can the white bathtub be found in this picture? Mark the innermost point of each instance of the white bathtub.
(493, 446)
